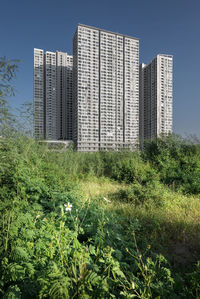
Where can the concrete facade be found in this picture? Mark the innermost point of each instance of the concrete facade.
(156, 97)
(52, 95)
(64, 95)
(38, 94)
(105, 90)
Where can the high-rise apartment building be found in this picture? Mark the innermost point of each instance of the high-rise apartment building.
(38, 90)
(64, 69)
(156, 97)
(52, 95)
(100, 98)
(105, 90)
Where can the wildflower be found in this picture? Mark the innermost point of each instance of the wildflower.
(44, 220)
(38, 216)
(107, 200)
(68, 207)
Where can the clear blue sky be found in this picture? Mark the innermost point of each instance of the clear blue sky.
(166, 27)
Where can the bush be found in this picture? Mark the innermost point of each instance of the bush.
(133, 170)
(177, 161)
(148, 194)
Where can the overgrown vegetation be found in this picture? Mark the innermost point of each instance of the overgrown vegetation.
(132, 230)
(96, 225)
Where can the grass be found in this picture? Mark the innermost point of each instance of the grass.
(102, 187)
(173, 229)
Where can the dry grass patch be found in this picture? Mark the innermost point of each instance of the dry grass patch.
(100, 187)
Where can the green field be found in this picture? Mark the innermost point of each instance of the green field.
(100, 225)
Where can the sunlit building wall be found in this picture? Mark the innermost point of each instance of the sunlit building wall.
(156, 97)
(105, 90)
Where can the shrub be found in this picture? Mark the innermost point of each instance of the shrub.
(177, 161)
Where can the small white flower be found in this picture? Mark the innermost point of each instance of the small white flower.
(68, 207)
(38, 216)
(44, 219)
(107, 200)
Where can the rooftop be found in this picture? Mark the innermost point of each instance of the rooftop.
(91, 27)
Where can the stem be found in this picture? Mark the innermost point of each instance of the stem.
(7, 238)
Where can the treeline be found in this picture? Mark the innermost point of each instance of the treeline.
(170, 160)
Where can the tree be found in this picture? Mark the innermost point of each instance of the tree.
(8, 69)
(26, 119)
